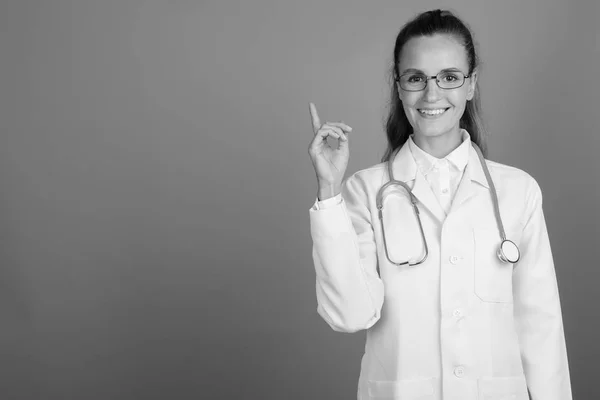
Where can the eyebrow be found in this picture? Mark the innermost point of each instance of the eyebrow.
(418, 71)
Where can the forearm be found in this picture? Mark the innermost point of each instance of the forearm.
(349, 291)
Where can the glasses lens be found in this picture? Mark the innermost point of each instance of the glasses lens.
(450, 79)
(413, 82)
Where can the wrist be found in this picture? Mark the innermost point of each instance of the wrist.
(327, 191)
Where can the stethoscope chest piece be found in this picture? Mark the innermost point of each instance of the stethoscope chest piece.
(508, 252)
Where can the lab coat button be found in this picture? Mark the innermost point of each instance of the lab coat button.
(444, 190)
(454, 259)
(457, 313)
(459, 372)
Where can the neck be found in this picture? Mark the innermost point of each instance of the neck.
(439, 146)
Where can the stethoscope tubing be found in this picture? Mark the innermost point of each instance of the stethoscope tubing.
(413, 201)
(494, 194)
(379, 201)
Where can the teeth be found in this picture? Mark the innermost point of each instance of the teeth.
(432, 112)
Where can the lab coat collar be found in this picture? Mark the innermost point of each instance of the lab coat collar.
(475, 169)
(404, 166)
(405, 169)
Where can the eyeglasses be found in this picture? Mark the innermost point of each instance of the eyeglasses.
(415, 82)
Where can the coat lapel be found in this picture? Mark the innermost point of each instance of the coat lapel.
(422, 191)
(464, 191)
(405, 170)
(471, 183)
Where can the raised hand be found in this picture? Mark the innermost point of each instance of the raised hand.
(329, 162)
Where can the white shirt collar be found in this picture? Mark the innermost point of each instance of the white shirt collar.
(459, 157)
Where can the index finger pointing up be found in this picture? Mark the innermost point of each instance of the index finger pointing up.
(314, 116)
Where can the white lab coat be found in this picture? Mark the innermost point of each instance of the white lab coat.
(462, 325)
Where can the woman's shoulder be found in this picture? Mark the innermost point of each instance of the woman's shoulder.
(508, 177)
(367, 180)
(374, 173)
(373, 170)
(509, 171)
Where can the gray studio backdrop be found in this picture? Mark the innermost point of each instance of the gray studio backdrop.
(154, 230)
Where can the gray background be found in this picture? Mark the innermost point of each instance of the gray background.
(154, 236)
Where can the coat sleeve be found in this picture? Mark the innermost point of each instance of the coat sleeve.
(537, 310)
(349, 290)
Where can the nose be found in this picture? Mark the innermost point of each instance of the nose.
(432, 91)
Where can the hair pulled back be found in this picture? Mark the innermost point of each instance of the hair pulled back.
(429, 23)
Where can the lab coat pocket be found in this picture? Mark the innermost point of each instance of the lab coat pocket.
(506, 388)
(402, 236)
(409, 389)
(493, 277)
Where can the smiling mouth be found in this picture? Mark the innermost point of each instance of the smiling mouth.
(432, 112)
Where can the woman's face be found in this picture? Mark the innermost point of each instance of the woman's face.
(434, 111)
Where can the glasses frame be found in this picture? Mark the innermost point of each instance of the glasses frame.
(428, 78)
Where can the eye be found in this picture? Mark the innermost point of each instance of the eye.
(415, 78)
(450, 77)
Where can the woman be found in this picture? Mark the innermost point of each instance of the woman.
(450, 313)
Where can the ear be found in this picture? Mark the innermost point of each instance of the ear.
(398, 89)
(472, 85)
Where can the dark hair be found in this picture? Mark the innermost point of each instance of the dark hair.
(429, 23)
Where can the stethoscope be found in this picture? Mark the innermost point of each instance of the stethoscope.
(508, 251)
